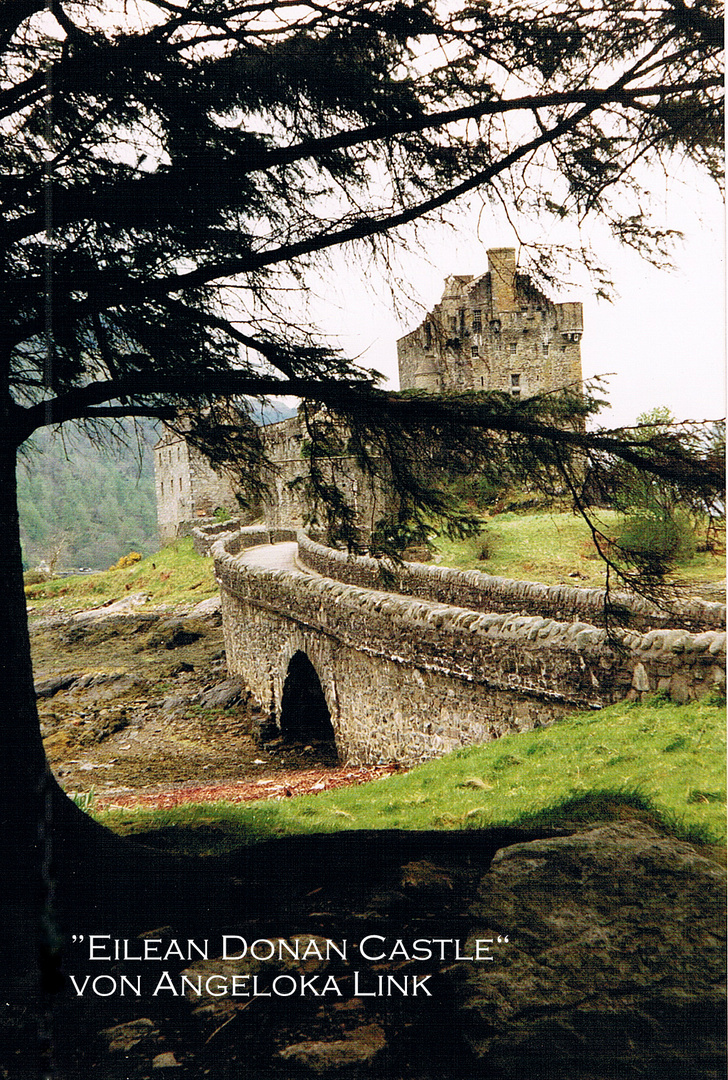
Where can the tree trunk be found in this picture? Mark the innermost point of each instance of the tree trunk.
(63, 873)
(25, 790)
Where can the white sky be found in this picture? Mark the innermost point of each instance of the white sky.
(662, 340)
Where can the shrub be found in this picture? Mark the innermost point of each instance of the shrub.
(35, 577)
(654, 542)
(483, 546)
(126, 561)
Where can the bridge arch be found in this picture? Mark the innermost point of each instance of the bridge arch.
(304, 710)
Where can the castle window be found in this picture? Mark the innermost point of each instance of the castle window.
(428, 334)
(545, 347)
(515, 385)
(453, 324)
(180, 483)
(482, 381)
(161, 487)
(513, 348)
(495, 326)
(477, 325)
(474, 350)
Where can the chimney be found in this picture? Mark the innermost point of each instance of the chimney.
(502, 267)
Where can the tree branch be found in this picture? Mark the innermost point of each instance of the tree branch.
(152, 189)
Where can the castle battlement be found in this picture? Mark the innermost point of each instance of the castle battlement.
(495, 331)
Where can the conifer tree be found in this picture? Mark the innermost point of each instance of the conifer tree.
(168, 171)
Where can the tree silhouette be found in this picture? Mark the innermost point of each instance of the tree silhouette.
(171, 171)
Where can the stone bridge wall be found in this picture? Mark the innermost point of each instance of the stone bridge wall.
(408, 679)
(485, 592)
(207, 534)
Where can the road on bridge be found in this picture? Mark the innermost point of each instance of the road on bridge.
(272, 556)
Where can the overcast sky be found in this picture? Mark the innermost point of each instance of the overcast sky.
(662, 340)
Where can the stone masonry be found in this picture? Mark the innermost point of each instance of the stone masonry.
(494, 332)
(480, 591)
(187, 487)
(288, 505)
(408, 679)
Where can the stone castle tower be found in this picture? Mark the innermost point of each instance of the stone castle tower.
(494, 332)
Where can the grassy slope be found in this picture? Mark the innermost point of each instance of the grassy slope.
(661, 758)
(549, 547)
(174, 575)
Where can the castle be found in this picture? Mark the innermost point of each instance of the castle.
(492, 332)
(188, 489)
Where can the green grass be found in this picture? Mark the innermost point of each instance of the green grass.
(657, 760)
(174, 575)
(549, 547)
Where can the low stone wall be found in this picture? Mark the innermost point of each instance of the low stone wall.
(478, 591)
(408, 679)
(207, 534)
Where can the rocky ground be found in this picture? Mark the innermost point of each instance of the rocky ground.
(136, 705)
(593, 954)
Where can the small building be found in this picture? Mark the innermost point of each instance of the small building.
(494, 332)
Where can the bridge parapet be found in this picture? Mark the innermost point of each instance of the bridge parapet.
(407, 679)
(239, 537)
(486, 592)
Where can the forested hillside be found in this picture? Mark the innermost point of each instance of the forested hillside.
(82, 506)
(85, 507)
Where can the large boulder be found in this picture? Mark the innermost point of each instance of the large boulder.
(614, 965)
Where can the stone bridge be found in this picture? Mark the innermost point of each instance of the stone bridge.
(406, 663)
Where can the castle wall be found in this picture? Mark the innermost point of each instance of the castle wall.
(289, 505)
(286, 503)
(187, 488)
(494, 332)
